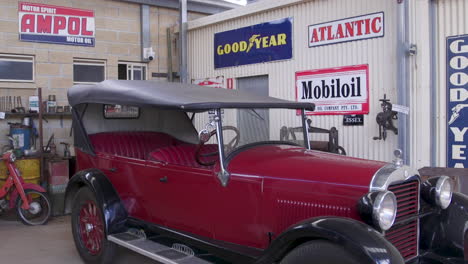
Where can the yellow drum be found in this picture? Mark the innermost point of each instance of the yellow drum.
(30, 169)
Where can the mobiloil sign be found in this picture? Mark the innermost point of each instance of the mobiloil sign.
(56, 24)
(457, 101)
(258, 43)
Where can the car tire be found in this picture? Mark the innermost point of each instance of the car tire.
(89, 230)
(319, 252)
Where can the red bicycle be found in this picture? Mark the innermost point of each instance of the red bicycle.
(31, 201)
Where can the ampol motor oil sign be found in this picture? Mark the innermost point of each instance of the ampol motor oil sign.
(457, 101)
(349, 29)
(335, 91)
(56, 24)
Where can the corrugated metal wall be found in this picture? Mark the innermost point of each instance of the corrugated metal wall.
(452, 21)
(379, 53)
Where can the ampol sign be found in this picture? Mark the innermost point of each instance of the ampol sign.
(55, 24)
(335, 91)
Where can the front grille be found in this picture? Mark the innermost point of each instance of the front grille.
(404, 233)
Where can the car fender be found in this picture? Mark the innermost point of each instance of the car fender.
(113, 211)
(446, 231)
(14, 194)
(361, 240)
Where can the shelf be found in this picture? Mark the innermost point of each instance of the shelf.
(13, 115)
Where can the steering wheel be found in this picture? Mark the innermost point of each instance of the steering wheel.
(229, 146)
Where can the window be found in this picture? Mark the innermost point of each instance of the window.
(132, 71)
(16, 68)
(89, 70)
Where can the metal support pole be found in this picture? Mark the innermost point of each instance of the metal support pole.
(183, 41)
(402, 78)
(169, 55)
(305, 128)
(223, 174)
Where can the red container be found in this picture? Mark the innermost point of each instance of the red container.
(58, 172)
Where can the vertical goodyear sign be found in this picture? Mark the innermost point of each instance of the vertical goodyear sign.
(55, 24)
(258, 43)
(457, 101)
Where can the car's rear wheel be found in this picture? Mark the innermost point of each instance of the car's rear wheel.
(319, 252)
(88, 228)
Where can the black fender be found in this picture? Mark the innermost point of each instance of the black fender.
(361, 240)
(445, 232)
(115, 215)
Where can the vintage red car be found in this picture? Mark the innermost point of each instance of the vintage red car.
(234, 192)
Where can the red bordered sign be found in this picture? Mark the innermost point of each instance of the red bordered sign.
(56, 24)
(335, 91)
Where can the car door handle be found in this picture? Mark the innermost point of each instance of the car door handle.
(113, 169)
(163, 179)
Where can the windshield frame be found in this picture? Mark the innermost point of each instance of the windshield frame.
(223, 174)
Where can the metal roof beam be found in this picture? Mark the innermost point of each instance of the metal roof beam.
(205, 7)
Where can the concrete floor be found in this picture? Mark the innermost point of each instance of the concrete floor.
(48, 244)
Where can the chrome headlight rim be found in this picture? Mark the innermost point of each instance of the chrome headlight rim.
(378, 207)
(443, 199)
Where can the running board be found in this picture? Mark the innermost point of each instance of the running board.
(154, 250)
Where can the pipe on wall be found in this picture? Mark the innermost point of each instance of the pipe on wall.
(183, 41)
(145, 30)
(403, 77)
(433, 84)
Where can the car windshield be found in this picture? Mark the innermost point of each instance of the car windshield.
(254, 126)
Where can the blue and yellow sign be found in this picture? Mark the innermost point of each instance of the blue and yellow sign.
(265, 42)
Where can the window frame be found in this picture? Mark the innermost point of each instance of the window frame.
(89, 62)
(129, 67)
(20, 58)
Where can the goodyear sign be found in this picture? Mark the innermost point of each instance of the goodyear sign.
(457, 101)
(265, 42)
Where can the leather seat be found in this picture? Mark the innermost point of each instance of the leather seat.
(184, 155)
(133, 144)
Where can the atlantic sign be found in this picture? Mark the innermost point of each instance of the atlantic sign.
(265, 42)
(457, 101)
(335, 91)
(349, 29)
(55, 24)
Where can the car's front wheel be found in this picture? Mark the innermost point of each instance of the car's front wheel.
(88, 228)
(319, 252)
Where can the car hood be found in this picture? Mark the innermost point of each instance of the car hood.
(291, 162)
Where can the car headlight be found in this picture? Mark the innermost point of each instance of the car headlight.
(379, 209)
(438, 191)
(443, 192)
(12, 157)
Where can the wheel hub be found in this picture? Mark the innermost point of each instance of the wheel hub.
(91, 227)
(34, 208)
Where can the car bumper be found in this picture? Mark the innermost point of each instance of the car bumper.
(432, 258)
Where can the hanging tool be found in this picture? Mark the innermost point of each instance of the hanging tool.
(66, 150)
(385, 119)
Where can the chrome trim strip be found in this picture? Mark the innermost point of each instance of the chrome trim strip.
(390, 174)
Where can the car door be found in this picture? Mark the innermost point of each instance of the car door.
(237, 211)
(185, 199)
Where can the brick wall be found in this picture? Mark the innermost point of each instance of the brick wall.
(117, 39)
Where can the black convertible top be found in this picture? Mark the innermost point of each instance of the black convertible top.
(173, 96)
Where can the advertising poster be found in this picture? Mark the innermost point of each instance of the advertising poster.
(349, 29)
(56, 24)
(335, 91)
(457, 101)
(265, 42)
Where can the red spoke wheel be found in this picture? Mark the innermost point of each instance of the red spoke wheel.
(88, 229)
